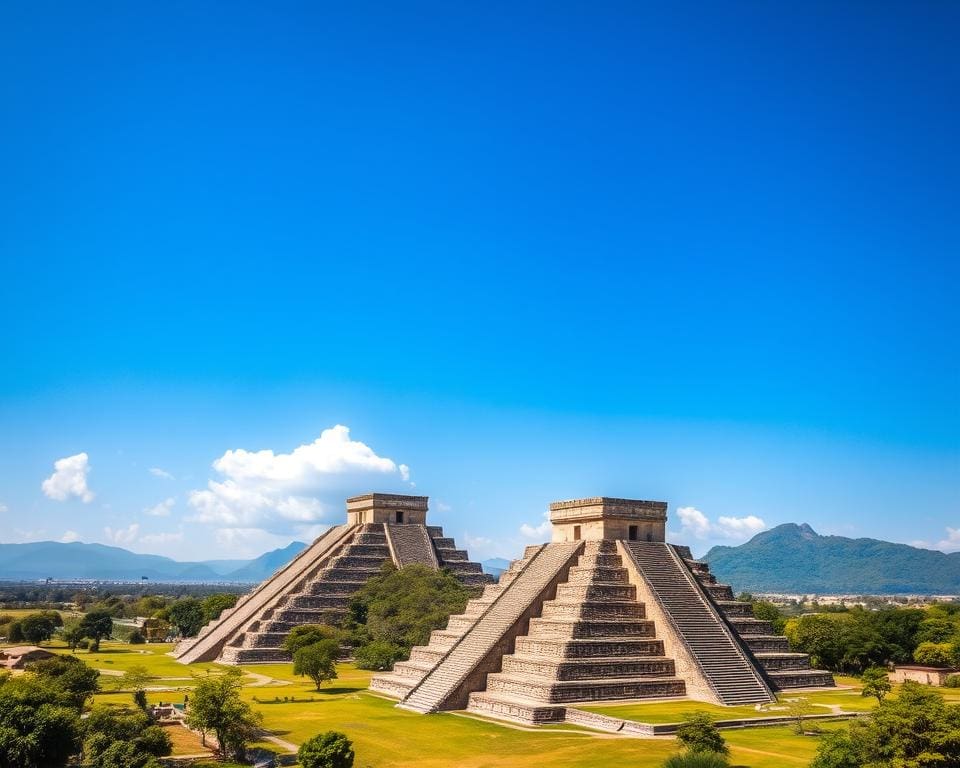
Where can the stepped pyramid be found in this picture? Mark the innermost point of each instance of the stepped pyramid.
(606, 611)
(317, 585)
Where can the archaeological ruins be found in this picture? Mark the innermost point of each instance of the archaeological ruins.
(605, 611)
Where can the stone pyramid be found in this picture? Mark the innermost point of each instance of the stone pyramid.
(317, 585)
(607, 611)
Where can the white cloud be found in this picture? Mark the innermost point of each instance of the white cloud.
(69, 536)
(537, 532)
(122, 537)
(162, 509)
(277, 492)
(69, 479)
(249, 542)
(696, 525)
(4, 508)
(952, 542)
(161, 473)
(442, 506)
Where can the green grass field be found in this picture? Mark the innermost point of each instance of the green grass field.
(387, 737)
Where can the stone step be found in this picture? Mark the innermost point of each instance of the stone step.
(565, 692)
(767, 643)
(719, 591)
(588, 669)
(515, 708)
(233, 655)
(735, 609)
(413, 668)
(589, 575)
(751, 626)
(774, 662)
(370, 563)
(348, 588)
(583, 649)
(442, 542)
(572, 610)
(450, 556)
(443, 638)
(378, 551)
(794, 678)
(548, 629)
(391, 684)
(462, 567)
(328, 602)
(596, 591)
(600, 560)
(427, 654)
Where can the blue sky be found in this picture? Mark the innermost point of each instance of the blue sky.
(704, 253)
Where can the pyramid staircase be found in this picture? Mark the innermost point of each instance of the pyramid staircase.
(718, 653)
(783, 669)
(316, 587)
(593, 642)
(457, 659)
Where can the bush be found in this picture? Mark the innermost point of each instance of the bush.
(699, 734)
(697, 760)
(952, 681)
(309, 634)
(317, 661)
(326, 750)
(136, 638)
(378, 655)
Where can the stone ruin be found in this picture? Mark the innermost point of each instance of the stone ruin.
(317, 585)
(606, 611)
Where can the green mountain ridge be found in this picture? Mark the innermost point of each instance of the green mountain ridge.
(794, 558)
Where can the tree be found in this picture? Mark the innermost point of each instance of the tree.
(798, 709)
(72, 634)
(836, 750)
(308, 634)
(216, 706)
(876, 682)
(214, 605)
(403, 606)
(36, 729)
(326, 750)
(123, 738)
(136, 638)
(698, 733)
(914, 730)
(187, 616)
(766, 611)
(96, 626)
(378, 655)
(934, 654)
(135, 680)
(317, 661)
(75, 681)
(696, 760)
(36, 628)
(15, 634)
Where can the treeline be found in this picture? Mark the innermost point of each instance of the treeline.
(853, 640)
(15, 595)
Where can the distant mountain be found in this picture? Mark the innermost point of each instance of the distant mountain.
(76, 560)
(495, 566)
(266, 564)
(795, 558)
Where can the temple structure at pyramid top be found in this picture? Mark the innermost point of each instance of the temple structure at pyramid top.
(318, 584)
(606, 611)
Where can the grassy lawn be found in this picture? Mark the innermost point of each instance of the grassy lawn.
(387, 737)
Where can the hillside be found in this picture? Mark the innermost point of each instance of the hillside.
(77, 560)
(795, 558)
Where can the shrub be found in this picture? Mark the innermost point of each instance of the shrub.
(699, 734)
(697, 760)
(308, 634)
(952, 681)
(136, 638)
(317, 661)
(378, 655)
(326, 750)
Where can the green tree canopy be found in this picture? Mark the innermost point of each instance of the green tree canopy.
(123, 738)
(326, 750)
(308, 634)
(37, 730)
(36, 628)
(214, 605)
(216, 706)
(97, 625)
(876, 683)
(403, 606)
(696, 760)
(934, 654)
(378, 655)
(317, 661)
(75, 680)
(698, 733)
(187, 616)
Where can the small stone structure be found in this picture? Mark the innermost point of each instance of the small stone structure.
(921, 674)
(18, 656)
(317, 585)
(606, 611)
